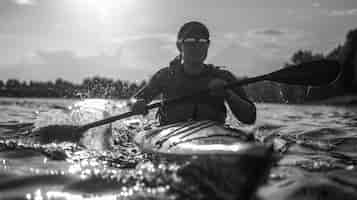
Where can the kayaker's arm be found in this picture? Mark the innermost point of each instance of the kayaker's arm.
(154, 87)
(243, 109)
(143, 97)
(149, 92)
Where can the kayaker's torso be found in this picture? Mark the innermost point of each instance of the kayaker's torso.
(173, 82)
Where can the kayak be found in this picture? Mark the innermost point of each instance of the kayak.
(195, 138)
(220, 159)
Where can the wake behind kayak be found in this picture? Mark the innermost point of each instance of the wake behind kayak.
(79, 113)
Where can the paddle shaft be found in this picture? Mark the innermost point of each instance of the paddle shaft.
(311, 73)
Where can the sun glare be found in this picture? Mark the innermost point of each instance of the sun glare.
(105, 10)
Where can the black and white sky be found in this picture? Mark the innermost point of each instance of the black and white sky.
(131, 39)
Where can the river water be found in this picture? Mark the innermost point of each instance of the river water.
(316, 145)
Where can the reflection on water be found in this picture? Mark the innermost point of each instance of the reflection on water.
(309, 139)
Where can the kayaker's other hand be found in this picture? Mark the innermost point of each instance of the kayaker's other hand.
(138, 106)
(216, 87)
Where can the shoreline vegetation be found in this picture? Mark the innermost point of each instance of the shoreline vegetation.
(95, 87)
(100, 87)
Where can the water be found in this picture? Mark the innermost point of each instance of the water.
(316, 145)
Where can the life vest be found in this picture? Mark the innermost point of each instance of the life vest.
(203, 107)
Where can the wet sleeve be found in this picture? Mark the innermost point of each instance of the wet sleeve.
(154, 87)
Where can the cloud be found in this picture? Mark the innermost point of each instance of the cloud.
(316, 5)
(134, 60)
(291, 12)
(170, 38)
(272, 39)
(257, 51)
(48, 65)
(63, 56)
(269, 32)
(271, 43)
(25, 2)
(274, 44)
(245, 61)
(338, 13)
(230, 36)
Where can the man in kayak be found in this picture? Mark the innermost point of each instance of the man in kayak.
(188, 74)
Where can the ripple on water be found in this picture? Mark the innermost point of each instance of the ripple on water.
(314, 141)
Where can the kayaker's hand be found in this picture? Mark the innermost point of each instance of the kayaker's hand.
(216, 87)
(138, 106)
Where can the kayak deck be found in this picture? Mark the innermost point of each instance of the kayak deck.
(193, 137)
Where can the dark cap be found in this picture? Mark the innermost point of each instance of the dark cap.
(193, 29)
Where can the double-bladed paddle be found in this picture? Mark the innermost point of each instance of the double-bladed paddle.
(314, 73)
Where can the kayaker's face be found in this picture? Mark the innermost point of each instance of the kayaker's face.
(194, 50)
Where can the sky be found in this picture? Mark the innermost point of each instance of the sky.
(131, 39)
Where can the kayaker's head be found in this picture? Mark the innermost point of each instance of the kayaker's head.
(192, 42)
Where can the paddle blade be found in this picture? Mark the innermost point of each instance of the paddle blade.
(314, 73)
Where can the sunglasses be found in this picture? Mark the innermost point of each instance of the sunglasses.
(194, 40)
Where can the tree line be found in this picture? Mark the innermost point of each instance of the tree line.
(268, 91)
(94, 87)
